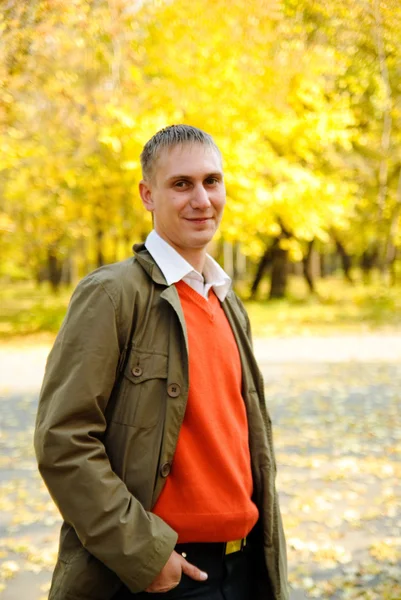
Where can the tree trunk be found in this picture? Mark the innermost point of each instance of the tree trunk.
(368, 261)
(67, 270)
(378, 33)
(345, 258)
(239, 262)
(307, 267)
(323, 265)
(99, 247)
(54, 270)
(228, 259)
(262, 266)
(278, 258)
(279, 274)
(390, 251)
(393, 269)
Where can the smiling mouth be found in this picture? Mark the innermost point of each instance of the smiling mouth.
(200, 219)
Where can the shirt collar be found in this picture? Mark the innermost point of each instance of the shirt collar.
(174, 267)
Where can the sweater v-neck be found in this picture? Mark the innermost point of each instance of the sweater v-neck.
(208, 305)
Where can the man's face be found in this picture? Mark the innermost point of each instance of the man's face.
(186, 195)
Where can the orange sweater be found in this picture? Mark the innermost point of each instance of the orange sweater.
(207, 496)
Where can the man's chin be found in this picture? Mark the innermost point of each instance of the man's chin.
(202, 240)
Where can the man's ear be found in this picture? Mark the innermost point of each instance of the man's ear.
(145, 192)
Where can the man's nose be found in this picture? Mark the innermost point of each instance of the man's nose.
(200, 197)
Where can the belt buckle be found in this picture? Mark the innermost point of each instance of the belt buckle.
(234, 546)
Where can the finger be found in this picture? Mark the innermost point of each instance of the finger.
(192, 571)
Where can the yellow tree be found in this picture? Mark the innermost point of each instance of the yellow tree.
(65, 182)
(263, 90)
(85, 84)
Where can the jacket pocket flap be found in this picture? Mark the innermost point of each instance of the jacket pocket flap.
(146, 365)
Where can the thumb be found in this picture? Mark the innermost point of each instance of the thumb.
(192, 571)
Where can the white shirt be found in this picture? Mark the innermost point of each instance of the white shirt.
(175, 268)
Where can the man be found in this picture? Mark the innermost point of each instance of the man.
(152, 432)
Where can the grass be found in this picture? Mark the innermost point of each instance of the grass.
(31, 312)
(339, 308)
(27, 310)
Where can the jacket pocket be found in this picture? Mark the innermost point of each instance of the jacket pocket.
(142, 394)
(83, 578)
(78, 575)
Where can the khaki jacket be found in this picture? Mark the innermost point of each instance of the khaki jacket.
(104, 449)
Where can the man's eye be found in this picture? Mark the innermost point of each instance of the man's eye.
(211, 180)
(180, 184)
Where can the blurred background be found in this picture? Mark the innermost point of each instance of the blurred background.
(304, 99)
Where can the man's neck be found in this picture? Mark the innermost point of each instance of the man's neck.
(196, 257)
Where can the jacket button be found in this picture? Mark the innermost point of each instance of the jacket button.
(174, 390)
(137, 371)
(165, 469)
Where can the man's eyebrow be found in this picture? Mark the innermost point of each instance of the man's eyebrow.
(216, 174)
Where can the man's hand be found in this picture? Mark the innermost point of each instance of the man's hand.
(170, 575)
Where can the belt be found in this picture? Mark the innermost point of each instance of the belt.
(235, 546)
(220, 549)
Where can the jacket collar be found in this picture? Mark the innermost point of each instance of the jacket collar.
(146, 261)
(176, 268)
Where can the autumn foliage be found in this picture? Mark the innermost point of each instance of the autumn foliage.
(302, 96)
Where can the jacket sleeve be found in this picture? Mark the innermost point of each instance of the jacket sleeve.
(80, 373)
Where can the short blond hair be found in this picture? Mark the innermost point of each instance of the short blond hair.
(172, 135)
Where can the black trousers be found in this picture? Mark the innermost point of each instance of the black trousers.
(230, 576)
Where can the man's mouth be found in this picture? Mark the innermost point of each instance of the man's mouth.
(199, 219)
